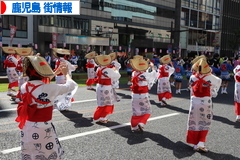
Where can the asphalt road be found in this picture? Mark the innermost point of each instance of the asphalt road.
(163, 138)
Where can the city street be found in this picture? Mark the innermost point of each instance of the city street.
(163, 138)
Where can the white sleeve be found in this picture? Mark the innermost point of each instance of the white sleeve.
(151, 77)
(71, 67)
(216, 84)
(114, 75)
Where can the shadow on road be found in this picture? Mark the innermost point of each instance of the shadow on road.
(78, 119)
(124, 96)
(5, 114)
(180, 149)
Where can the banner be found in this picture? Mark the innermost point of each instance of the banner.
(13, 30)
(54, 40)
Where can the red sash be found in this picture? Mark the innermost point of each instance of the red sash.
(163, 73)
(103, 81)
(89, 65)
(237, 78)
(199, 90)
(28, 111)
(135, 87)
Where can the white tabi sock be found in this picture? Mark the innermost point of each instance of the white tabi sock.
(200, 144)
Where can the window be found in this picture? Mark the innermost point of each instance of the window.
(193, 19)
(19, 21)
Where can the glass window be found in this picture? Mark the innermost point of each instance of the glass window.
(202, 5)
(52, 20)
(201, 19)
(40, 20)
(19, 23)
(12, 20)
(185, 17)
(209, 21)
(193, 19)
(24, 23)
(5, 22)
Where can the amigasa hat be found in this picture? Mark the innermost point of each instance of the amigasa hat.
(137, 57)
(139, 64)
(113, 55)
(103, 60)
(60, 51)
(197, 58)
(39, 64)
(23, 51)
(165, 59)
(90, 55)
(201, 66)
(9, 50)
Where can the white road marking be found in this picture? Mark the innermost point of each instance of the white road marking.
(92, 132)
(14, 109)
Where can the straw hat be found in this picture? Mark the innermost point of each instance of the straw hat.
(202, 67)
(90, 55)
(39, 64)
(197, 58)
(113, 55)
(139, 64)
(137, 57)
(9, 50)
(103, 60)
(60, 51)
(23, 51)
(165, 59)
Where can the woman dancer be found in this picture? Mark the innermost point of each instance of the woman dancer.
(90, 69)
(142, 81)
(11, 63)
(63, 102)
(104, 88)
(204, 86)
(38, 135)
(165, 71)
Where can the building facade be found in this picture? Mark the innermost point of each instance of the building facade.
(24, 32)
(230, 35)
(202, 20)
(106, 25)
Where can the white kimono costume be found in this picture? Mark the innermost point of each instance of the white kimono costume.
(203, 88)
(63, 102)
(11, 63)
(38, 136)
(91, 72)
(236, 71)
(141, 83)
(164, 88)
(104, 92)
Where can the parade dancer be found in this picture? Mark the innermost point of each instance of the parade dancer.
(204, 86)
(63, 102)
(104, 89)
(90, 69)
(74, 58)
(11, 63)
(225, 68)
(178, 76)
(38, 135)
(48, 58)
(165, 71)
(117, 65)
(142, 81)
(22, 52)
(236, 71)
